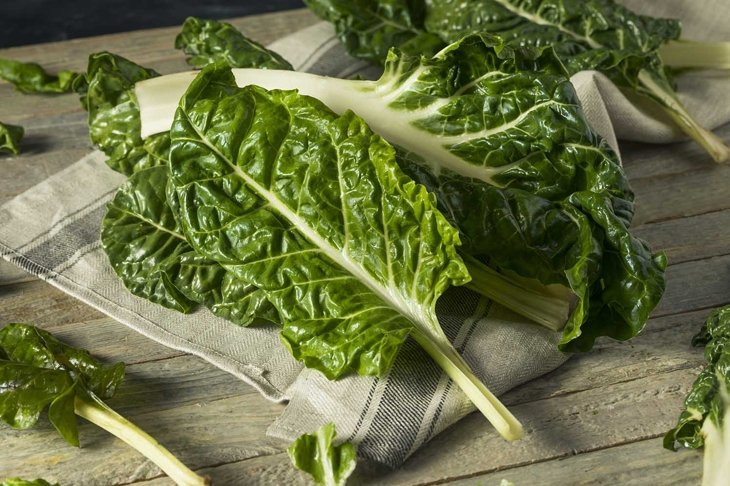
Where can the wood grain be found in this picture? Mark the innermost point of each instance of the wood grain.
(628, 465)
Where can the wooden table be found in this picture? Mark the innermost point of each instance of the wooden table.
(596, 420)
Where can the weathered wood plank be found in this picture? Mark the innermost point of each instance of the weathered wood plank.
(663, 347)
(632, 464)
(153, 44)
(40, 303)
(689, 239)
(669, 186)
(268, 470)
(644, 161)
(558, 427)
(11, 274)
(37, 302)
(696, 285)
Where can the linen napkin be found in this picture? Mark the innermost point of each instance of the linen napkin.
(52, 231)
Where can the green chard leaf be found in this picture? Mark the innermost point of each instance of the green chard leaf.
(540, 160)
(114, 123)
(597, 34)
(148, 251)
(109, 97)
(705, 405)
(31, 78)
(39, 371)
(327, 463)
(313, 210)
(139, 232)
(483, 125)
(369, 28)
(10, 137)
(209, 41)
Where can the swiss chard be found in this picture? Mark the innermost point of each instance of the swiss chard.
(598, 34)
(208, 41)
(317, 454)
(146, 248)
(10, 136)
(481, 122)
(31, 78)
(114, 124)
(689, 54)
(705, 404)
(37, 371)
(314, 211)
(119, 113)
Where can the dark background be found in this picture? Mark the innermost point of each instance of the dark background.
(33, 21)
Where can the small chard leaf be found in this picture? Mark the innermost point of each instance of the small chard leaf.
(317, 454)
(351, 253)
(146, 248)
(37, 348)
(31, 78)
(369, 29)
(61, 414)
(114, 123)
(705, 401)
(38, 371)
(25, 391)
(10, 136)
(210, 41)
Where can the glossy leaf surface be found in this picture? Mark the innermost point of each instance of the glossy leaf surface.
(146, 248)
(313, 210)
(556, 205)
(114, 124)
(39, 371)
(31, 78)
(209, 41)
(488, 123)
(369, 29)
(317, 454)
(597, 34)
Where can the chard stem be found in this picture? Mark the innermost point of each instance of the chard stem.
(696, 54)
(708, 140)
(444, 354)
(541, 307)
(97, 412)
